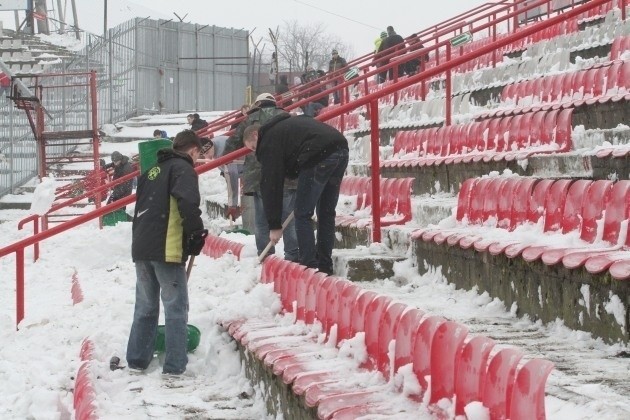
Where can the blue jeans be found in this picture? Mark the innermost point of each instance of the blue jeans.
(261, 227)
(171, 278)
(318, 189)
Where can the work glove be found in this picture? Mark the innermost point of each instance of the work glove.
(234, 211)
(196, 241)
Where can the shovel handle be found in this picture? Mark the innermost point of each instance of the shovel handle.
(190, 266)
(263, 254)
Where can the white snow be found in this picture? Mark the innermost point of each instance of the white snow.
(43, 196)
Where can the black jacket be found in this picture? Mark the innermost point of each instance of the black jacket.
(287, 145)
(122, 190)
(198, 124)
(390, 41)
(167, 209)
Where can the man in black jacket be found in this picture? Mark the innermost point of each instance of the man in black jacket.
(392, 40)
(317, 155)
(167, 228)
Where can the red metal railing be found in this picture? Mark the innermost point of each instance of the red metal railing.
(370, 100)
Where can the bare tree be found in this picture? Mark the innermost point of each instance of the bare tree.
(302, 45)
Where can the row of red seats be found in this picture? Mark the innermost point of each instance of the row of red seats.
(599, 210)
(566, 27)
(459, 366)
(351, 121)
(600, 11)
(395, 199)
(84, 395)
(215, 247)
(507, 138)
(610, 79)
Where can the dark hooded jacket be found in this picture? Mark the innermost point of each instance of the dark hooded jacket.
(197, 124)
(167, 209)
(287, 145)
(126, 188)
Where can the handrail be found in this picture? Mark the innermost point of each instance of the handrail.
(369, 99)
(104, 187)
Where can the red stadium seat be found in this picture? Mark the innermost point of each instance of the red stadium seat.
(446, 347)
(528, 394)
(422, 348)
(471, 372)
(571, 217)
(497, 390)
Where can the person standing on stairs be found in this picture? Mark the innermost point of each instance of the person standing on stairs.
(263, 110)
(167, 228)
(122, 167)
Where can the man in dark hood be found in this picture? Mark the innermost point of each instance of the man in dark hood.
(122, 167)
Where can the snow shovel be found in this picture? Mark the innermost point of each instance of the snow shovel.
(263, 254)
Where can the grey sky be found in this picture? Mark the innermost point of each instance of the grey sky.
(356, 22)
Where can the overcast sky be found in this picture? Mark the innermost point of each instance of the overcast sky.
(356, 22)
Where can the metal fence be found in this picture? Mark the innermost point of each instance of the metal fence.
(143, 67)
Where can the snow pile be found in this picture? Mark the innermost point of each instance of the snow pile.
(43, 196)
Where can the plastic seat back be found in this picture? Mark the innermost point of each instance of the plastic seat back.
(310, 303)
(536, 128)
(536, 203)
(388, 326)
(593, 206)
(301, 293)
(572, 214)
(554, 204)
(504, 202)
(567, 86)
(528, 394)
(406, 336)
(563, 130)
(422, 348)
(333, 312)
(358, 315)
(463, 198)
(471, 371)
(497, 389)
(491, 138)
(617, 211)
(503, 133)
(321, 305)
(612, 78)
(446, 347)
(289, 289)
(347, 304)
(477, 197)
(600, 82)
(373, 314)
(492, 197)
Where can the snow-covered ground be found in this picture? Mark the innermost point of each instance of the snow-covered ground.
(38, 362)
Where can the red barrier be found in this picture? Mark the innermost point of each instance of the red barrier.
(75, 290)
